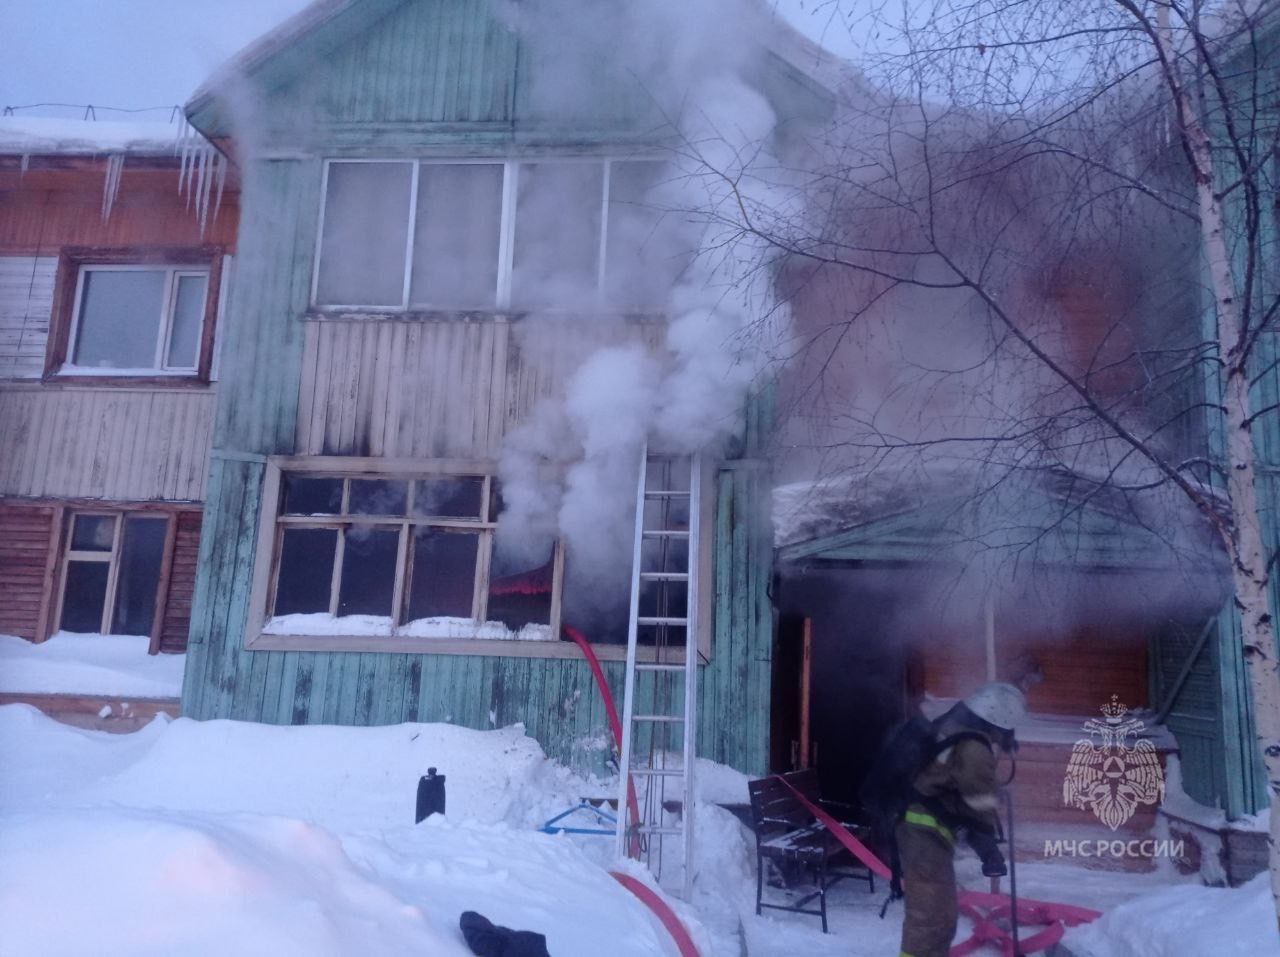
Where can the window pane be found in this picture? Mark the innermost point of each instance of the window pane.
(312, 496)
(93, 533)
(645, 251)
(306, 570)
(455, 496)
(377, 497)
(188, 318)
(368, 571)
(444, 574)
(455, 249)
(86, 590)
(520, 582)
(141, 554)
(557, 241)
(366, 225)
(120, 313)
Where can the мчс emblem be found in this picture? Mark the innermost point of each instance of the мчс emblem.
(1113, 770)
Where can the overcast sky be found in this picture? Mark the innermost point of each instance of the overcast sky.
(145, 53)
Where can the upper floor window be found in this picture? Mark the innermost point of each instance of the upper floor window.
(484, 234)
(135, 314)
(138, 319)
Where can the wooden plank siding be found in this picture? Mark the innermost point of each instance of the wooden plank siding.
(176, 620)
(27, 535)
(443, 62)
(452, 388)
(26, 303)
(414, 79)
(43, 210)
(108, 443)
(439, 388)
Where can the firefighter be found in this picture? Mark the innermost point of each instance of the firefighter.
(954, 795)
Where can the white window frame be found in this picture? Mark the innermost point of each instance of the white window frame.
(506, 228)
(262, 593)
(169, 301)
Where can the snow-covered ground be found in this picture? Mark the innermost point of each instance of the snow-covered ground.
(226, 837)
(70, 663)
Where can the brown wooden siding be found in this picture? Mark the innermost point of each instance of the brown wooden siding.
(30, 573)
(25, 537)
(43, 210)
(122, 444)
(182, 582)
(1081, 670)
(98, 712)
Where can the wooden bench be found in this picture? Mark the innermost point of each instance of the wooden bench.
(796, 844)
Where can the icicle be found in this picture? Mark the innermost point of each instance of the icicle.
(115, 166)
(223, 163)
(202, 175)
(202, 194)
(202, 171)
(188, 156)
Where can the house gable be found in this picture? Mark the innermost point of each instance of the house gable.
(377, 76)
(415, 82)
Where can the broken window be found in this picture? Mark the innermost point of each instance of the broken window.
(138, 319)
(410, 556)
(111, 572)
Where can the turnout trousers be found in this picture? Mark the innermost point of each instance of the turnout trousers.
(926, 849)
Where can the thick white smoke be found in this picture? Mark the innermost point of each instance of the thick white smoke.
(571, 468)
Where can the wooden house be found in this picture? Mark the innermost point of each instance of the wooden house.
(383, 340)
(112, 274)
(892, 594)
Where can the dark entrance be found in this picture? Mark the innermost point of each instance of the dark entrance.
(857, 673)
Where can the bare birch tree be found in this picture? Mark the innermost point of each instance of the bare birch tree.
(991, 145)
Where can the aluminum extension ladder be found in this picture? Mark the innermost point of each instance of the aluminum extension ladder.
(661, 691)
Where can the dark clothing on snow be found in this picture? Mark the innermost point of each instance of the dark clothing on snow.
(487, 939)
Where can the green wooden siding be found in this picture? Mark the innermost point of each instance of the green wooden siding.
(1193, 718)
(446, 61)
(385, 78)
(1237, 764)
(555, 699)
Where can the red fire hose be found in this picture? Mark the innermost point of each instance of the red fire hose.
(985, 910)
(647, 896)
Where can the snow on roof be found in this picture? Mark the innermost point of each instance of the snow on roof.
(805, 510)
(29, 135)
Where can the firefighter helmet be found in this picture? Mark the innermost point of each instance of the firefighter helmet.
(999, 704)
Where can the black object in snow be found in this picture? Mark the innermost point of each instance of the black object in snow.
(430, 795)
(487, 939)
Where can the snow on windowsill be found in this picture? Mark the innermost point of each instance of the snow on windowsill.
(70, 369)
(71, 663)
(379, 626)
